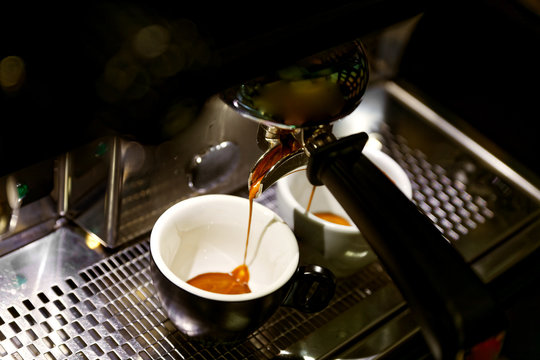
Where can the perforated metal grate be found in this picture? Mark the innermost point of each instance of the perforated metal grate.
(443, 199)
(110, 309)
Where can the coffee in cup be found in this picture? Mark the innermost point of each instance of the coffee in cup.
(207, 234)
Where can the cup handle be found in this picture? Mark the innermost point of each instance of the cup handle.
(312, 289)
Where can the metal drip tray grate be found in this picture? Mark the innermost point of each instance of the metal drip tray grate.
(111, 311)
(444, 200)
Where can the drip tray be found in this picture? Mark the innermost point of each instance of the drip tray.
(110, 310)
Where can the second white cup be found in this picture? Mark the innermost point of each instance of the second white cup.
(340, 248)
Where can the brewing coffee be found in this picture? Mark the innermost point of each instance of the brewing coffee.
(333, 218)
(224, 283)
(236, 282)
(327, 216)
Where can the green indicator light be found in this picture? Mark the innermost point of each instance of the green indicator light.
(22, 190)
(101, 149)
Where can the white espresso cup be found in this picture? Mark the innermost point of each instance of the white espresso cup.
(340, 248)
(208, 234)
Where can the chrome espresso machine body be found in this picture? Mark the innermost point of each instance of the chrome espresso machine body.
(115, 112)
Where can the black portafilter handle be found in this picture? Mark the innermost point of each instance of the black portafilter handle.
(450, 302)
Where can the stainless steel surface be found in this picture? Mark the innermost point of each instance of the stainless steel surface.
(65, 300)
(9, 205)
(509, 253)
(52, 259)
(463, 192)
(63, 173)
(353, 323)
(506, 169)
(209, 168)
(114, 184)
(118, 188)
(61, 299)
(31, 205)
(34, 221)
(397, 330)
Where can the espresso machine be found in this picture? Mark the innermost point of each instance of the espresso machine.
(114, 112)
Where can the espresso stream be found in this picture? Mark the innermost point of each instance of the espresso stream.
(328, 216)
(314, 99)
(236, 282)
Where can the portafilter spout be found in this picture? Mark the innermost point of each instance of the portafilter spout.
(296, 107)
(284, 152)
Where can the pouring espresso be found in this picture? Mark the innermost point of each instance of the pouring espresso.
(236, 282)
(295, 107)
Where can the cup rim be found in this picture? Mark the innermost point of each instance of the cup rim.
(378, 158)
(156, 257)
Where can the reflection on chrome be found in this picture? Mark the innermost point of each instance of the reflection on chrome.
(354, 254)
(91, 241)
